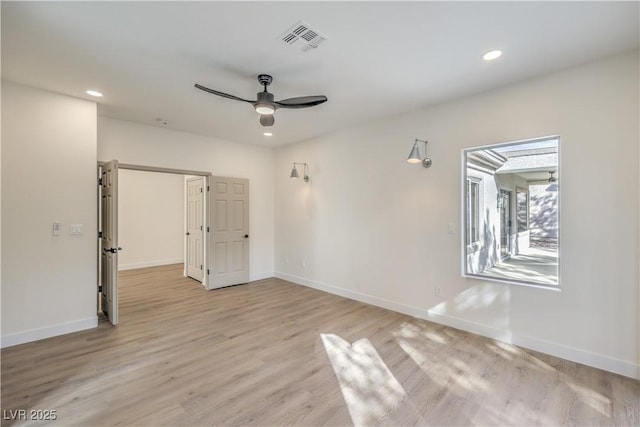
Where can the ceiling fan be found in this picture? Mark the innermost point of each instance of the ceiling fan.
(552, 179)
(265, 104)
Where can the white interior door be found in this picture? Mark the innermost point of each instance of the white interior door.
(230, 231)
(109, 241)
(195, 228)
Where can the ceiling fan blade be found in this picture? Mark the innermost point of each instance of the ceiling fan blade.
(222, 94)
(267, 119)
(301, 101)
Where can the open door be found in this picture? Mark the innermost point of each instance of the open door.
(229, 215)
(195, 228)
(109, 240)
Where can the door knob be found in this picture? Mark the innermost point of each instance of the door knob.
(187, 233)
(246, 236)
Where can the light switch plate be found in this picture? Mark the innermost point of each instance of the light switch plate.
(76, 229)
(55, 230)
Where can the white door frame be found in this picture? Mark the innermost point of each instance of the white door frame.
(207, 235)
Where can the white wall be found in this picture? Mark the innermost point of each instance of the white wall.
(150, 219)
(372, 227)
(154, 146)
(48, 174)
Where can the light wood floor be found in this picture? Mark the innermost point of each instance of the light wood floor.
(275, 353)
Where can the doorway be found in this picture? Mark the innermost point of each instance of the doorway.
(110, 244)
(225, 245)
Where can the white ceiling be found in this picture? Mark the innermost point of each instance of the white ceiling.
(381, 58)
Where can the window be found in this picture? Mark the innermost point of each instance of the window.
(473, 207)
(511, 204)
(522, 209)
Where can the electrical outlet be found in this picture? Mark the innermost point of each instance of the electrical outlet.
(438, 291)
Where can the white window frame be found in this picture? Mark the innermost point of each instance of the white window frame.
(463, 218)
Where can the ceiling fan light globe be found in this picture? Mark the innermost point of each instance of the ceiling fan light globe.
(264, 109)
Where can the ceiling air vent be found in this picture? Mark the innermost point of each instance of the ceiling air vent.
(303, 37)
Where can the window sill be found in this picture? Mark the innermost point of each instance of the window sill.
(545, 286)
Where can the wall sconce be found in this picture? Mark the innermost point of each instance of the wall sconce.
(294, 171)
(414, 156)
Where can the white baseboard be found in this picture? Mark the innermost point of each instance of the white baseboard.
(584, 357)
(145, 264)
(260, 276)
(369, 299)
(595, 360)
(48, 331)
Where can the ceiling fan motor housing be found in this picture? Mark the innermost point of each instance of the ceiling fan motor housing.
(265, 104)
(264, 98)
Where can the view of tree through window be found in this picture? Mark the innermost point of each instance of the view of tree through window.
(511, 212)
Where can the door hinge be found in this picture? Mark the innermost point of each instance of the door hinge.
(201, 190)
(99, 289)
(208, 272)
(207, 188)
(200, 267)
(200, 228)
(207, 228)
(99, 234)
(99, 181)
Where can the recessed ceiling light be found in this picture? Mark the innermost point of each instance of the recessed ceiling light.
(267, 134)
(490, 56)
(94, 93)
